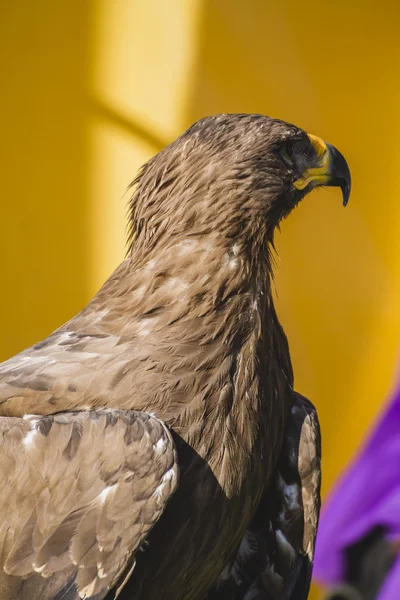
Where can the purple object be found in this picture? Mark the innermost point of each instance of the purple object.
(367, 495)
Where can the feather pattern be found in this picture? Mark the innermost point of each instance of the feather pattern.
(82, 511)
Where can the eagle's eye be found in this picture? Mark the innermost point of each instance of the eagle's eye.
(286, 155)
(289, 151)
(296, 153)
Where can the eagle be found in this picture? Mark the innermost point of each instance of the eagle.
(153, 446)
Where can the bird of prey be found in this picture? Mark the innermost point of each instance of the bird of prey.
(142, 440)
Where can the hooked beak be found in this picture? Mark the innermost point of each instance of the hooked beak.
(332, 170)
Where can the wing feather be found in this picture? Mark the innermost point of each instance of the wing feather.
(274, 560)
(82, 491)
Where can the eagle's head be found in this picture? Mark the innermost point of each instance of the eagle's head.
(236, 175)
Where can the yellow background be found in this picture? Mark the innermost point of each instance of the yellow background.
(91, 89)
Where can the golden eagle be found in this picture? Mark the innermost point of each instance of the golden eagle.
(153, 446)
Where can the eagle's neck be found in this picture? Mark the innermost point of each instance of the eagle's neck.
(208, 355)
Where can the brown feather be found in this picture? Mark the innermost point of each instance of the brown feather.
(93, 509)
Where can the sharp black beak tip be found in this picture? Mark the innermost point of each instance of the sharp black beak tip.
(346, 193)
(340, 173)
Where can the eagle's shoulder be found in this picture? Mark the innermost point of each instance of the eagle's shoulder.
(83, 491)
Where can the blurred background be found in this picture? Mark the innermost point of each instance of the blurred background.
(93, 88)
